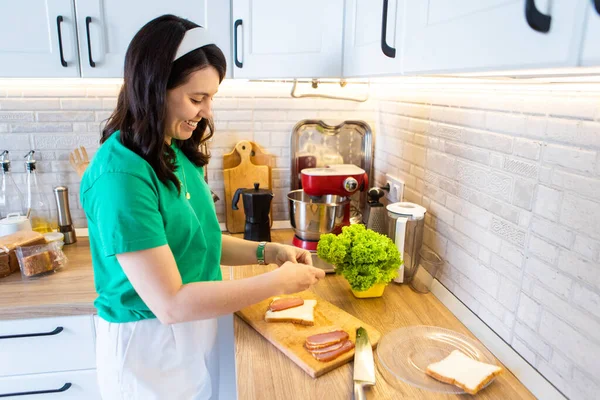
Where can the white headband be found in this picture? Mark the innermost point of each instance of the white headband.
(192, 40)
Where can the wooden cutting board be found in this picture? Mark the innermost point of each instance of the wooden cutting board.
(258, 157)
(243, 176)
(289, 338)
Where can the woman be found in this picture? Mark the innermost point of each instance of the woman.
(155, 239)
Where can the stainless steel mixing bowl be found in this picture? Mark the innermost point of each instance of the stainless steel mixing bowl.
(313, 216)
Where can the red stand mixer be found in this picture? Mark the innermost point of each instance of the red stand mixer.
(323, 204)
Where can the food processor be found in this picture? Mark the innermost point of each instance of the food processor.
(323, 204)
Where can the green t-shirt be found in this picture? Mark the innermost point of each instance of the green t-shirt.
(129, 209)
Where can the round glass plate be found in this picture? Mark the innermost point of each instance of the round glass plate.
(405, 353)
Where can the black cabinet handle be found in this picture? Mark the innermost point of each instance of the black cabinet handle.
(536, 20)
(387, 50)
(88, 21)
(58, 330)
(59, 20)
(235, 43)
(64, 388)
(597, 5)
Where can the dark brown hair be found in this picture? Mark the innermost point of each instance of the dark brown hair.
(141, 107)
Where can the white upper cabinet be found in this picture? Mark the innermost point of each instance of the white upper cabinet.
(482, 35)
(590, 50)
(287, 39)
(106, 28)
(372, 37)
(38, 39)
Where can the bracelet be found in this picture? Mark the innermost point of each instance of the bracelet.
(260, 253)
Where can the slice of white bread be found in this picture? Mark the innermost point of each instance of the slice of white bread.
(460, 370)
(303, 315)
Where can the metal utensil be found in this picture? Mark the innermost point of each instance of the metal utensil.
(364, 366)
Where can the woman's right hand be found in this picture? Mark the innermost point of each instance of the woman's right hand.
(294, 277)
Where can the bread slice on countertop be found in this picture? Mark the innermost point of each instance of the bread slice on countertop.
(303, 315)
(460, 370)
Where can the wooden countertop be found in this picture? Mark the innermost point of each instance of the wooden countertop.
(263, 372)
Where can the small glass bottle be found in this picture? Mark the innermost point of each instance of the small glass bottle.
(37, 205)
(11, 199)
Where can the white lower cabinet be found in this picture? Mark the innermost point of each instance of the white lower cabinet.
(75, 385)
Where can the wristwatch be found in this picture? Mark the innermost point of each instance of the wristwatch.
(260, 253)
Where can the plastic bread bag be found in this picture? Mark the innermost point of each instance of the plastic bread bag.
(40, 260)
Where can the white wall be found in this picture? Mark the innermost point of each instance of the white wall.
(54, 117)
(510, 176)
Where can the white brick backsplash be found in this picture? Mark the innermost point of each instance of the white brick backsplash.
(82, 104)
(587, 271)
(11, 116)
(588, 133)
(532, 339)
(477, 233)
(506, 269)
(580, 214)
(496, 161)
(41, 127)
(587, 247)
(29, 104)
(470, 153)
(550, 230)
(61, 116)
(489, 203)
(488, 301)
(14, 142)
(527, 148)
(583, 387)
(503, 122)
(446, 131)
(520, 167)
(549, 276)
(413, 154)
(559, 306)
(508, 294)
(463, 241)
(548, 202)
(485, 256)
(488, 140)
(578, 133)
(508, 232)
(523, 350)
(442, 164)
(484, 277)
(587, 299)
(513, 254)
(490, 182)
(584, 186)
(544, 250)
(569, 157)
(466, 297)
(579, 348)
(523, 193)
(561, 365)
(476, 214)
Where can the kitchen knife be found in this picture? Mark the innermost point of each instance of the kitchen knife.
(364, 366)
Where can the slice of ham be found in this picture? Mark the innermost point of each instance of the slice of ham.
(325, 339)
(285, 303)
(325, 349)
(347, 345)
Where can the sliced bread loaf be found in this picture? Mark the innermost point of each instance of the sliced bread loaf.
(464, 372)
(303, 314)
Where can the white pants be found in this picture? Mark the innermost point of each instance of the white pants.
(147, 360)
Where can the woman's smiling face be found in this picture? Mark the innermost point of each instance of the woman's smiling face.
(187, 104)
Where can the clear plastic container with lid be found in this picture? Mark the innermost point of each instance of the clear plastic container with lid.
(11, 199)
(36, 204)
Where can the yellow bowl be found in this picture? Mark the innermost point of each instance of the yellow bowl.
(374, 291)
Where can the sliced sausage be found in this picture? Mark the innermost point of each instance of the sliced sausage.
(333, 354)
(325, 349)
(285, 303)
(325, 339)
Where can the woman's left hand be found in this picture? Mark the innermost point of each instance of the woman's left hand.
(282, 253)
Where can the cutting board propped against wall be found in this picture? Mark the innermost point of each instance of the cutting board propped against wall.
(243, 176)
(258, 157)
(289, 338)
